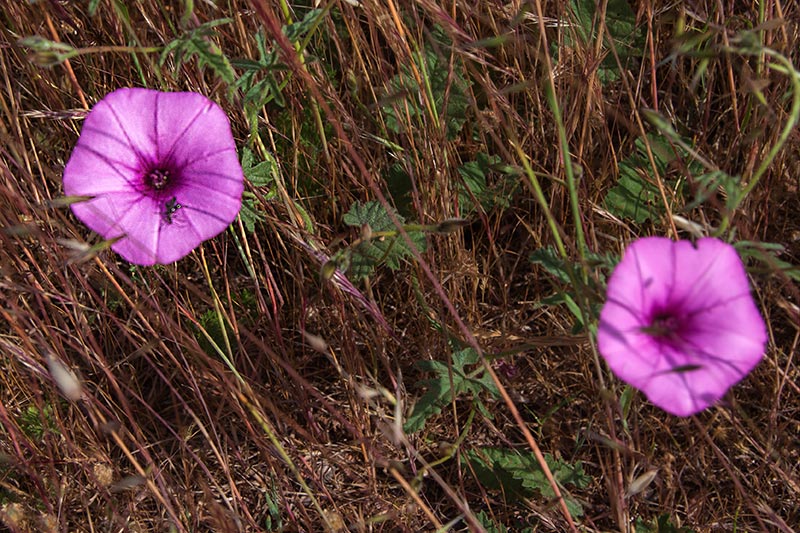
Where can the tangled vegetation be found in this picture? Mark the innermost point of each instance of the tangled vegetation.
(398, 331)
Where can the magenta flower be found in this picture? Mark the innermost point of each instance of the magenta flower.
(679, 322)
(160, 171)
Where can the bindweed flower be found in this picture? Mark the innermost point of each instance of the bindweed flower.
(679, 322)
(160, 171)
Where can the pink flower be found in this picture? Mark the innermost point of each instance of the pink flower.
(679, 322)
(160, 170)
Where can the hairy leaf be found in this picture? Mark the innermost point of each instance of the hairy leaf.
(259, 174)
(447, 90)
(389, 249)
(445, 386)
(627, 38)
(518, 474)
(662, 524)
(478, 188)
(198, 43)
(636, 195)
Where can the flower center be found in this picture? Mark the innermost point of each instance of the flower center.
(158, 178)
(663, 324)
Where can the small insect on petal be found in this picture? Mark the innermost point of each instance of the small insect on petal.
(170, 208)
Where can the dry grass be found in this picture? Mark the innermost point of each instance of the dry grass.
(165, 436)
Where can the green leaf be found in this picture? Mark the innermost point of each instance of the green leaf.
(258, 82)
(625, 400)
(636, 195)
(490, 525)
(549, 259)
(445, 386)
(249, 212)
(767, 253)
(552, 262)
(259, 174)
(620, 22)
(477, 187)
(36, 423)
(709, 183)
(400, 188)
(388, 249)
(297, 30)
(448, 93)
(517, 474)
(92, 7)
(215, 329)
(198, 43)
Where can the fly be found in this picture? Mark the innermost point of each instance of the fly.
(170, 208)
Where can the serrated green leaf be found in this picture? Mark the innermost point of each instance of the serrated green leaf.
(389, 250)
(448, 93)
(400, 188)
(490, 525)
(766, 253)
(636, 195)
(259, 174)
(709, 183)
(445, 386)
(552, 262)
(297, 30)
(258, 82)
(211, 331)
(625, 400)
(620, 27)
(198, 43)
(249, 213)
(476, 185)
(518, 474)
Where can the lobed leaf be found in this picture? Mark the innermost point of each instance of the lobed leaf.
(388, 249)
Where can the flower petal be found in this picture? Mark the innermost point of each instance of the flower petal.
(93, 171)
(220, 174)
(709, 273)
(190, 128)
(645, 276)
(127, 116)
(684, 391)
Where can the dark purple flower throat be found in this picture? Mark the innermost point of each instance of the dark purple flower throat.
(159, 178)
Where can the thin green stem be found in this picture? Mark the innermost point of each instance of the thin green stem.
(570, 173)
(124, 49)
(784, 66)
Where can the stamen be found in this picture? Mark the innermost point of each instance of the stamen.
(158, 178)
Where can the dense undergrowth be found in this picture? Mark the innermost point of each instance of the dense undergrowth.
(397, 333)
